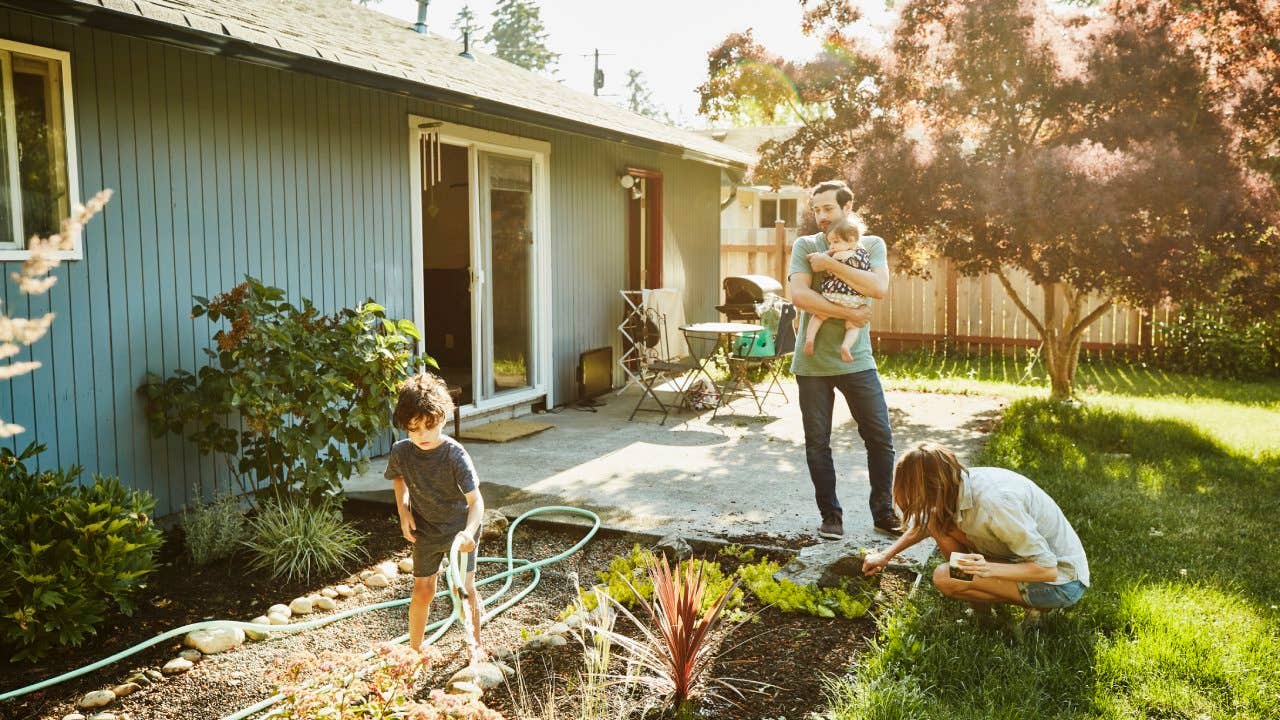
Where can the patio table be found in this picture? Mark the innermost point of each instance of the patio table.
(713, 337)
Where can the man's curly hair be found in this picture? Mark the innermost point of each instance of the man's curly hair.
(422, 396)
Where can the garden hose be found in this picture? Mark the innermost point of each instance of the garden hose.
(453, 574)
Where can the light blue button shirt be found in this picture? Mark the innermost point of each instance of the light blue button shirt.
(1007, 516)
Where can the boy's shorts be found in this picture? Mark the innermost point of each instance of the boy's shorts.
(1045, 596)
(429, 549)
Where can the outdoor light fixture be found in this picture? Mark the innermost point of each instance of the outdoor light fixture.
(626, 181)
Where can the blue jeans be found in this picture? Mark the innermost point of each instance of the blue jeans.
(866, 403)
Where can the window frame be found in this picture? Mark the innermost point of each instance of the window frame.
(17, 249)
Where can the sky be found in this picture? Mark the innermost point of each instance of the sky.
(667, 40)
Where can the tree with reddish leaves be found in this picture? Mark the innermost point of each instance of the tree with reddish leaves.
(1128, 152)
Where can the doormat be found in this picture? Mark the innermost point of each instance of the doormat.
(504, 430)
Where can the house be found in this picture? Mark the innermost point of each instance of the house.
(334, 152)
(758, 223)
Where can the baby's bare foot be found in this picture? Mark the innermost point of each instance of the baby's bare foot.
(808, 347)
(845, 355)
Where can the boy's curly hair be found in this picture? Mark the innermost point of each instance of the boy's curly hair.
(422, 396)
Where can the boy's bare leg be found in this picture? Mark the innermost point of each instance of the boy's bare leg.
(811, 333)
(850, 337)
(478, 653)
(424, 591)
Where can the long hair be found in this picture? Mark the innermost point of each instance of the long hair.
(926, 485)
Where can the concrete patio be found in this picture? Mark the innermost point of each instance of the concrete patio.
(737, 477)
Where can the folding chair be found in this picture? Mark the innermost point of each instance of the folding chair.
(784, 347)
(654, 364)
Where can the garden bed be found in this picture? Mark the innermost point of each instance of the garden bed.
(792, 653)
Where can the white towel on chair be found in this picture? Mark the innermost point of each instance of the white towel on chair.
(668, 302)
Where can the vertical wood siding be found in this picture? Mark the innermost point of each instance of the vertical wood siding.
(222, 169)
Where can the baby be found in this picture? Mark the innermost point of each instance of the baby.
(844, 243)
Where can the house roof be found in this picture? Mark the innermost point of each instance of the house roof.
(749, 139)
(338, 37)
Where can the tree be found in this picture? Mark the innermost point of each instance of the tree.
(33, 279)
(1124, 154)
(465, 23)
(518, 35)
(640, 98)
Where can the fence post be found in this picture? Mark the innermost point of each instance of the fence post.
(953, 297)
(781, 249)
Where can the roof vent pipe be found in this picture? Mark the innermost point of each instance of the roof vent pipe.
(466, 44)
(421, 25)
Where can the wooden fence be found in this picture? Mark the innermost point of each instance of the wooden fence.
(972, 312)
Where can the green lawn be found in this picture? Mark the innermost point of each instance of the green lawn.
(1174, 486)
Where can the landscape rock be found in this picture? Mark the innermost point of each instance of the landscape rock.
(506, 669)
(96, 699)
(405, 565)
(278, 618)
(155, 675)
(300, 606)
(674, 548)
(464, 688)
(494, 526)
(103, 716)
(825, 565)
(345, 591)
(280, 610)
(388, 568)
(329, 593)
(377, 580)
(257, 634)
(73, 716)
(214, 641)
(558, 629)
(358, 588)
(486, 676)
(140, 679)
(177, 666)
(125, 689)
(324, 603)
(575, 620)
(504, 653)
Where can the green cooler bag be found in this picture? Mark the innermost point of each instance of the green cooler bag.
(761, 347)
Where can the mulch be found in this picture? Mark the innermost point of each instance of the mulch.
(791, 653)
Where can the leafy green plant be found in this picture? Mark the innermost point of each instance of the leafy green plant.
(296, 540)
(675, 650)
(1222, 341)
(789, 597)
(69, 554)
(214, 530)
(355, 687)
(293, 396)
(627, 580)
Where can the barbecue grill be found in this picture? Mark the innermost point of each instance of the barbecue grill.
(742, 292)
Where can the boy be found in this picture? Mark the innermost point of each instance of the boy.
(436, 496)
(844, 240)
(1005, 539)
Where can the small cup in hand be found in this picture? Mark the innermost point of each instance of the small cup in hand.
(954, 562)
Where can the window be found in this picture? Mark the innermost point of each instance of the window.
(774, 209)
(37, 160)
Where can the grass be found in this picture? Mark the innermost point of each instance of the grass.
(1174, 486)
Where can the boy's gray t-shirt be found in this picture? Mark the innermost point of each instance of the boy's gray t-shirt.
(437, 480)
(826, 360)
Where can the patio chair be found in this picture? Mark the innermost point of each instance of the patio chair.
(784, 347)
(654, 364)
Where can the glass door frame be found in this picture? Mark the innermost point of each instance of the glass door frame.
(538, 152)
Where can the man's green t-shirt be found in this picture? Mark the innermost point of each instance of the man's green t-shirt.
(826, 359)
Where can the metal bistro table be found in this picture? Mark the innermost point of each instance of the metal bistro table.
(705, 340)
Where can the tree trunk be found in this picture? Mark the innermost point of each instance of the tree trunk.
(1061, 333)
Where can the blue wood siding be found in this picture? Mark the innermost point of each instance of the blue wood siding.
(221, 169)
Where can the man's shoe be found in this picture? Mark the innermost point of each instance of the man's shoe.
(888, 527)
(831, 530)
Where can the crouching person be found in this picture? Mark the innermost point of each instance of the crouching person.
(1005, 539)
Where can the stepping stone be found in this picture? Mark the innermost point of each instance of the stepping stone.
(96, 699)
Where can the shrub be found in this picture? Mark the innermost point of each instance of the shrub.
(69, 554)
(215, 530)
(627, 581)
(296, 396)
(1221, 341)
(296, 540)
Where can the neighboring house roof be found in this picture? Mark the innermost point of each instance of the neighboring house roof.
(749, 139)
(317, 35)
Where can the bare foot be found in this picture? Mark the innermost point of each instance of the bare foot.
(478, 655)
(808, 347)
(844, 354)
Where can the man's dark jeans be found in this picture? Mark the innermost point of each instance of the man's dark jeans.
(866, 403)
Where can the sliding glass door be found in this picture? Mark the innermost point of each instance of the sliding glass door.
(506, 250)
